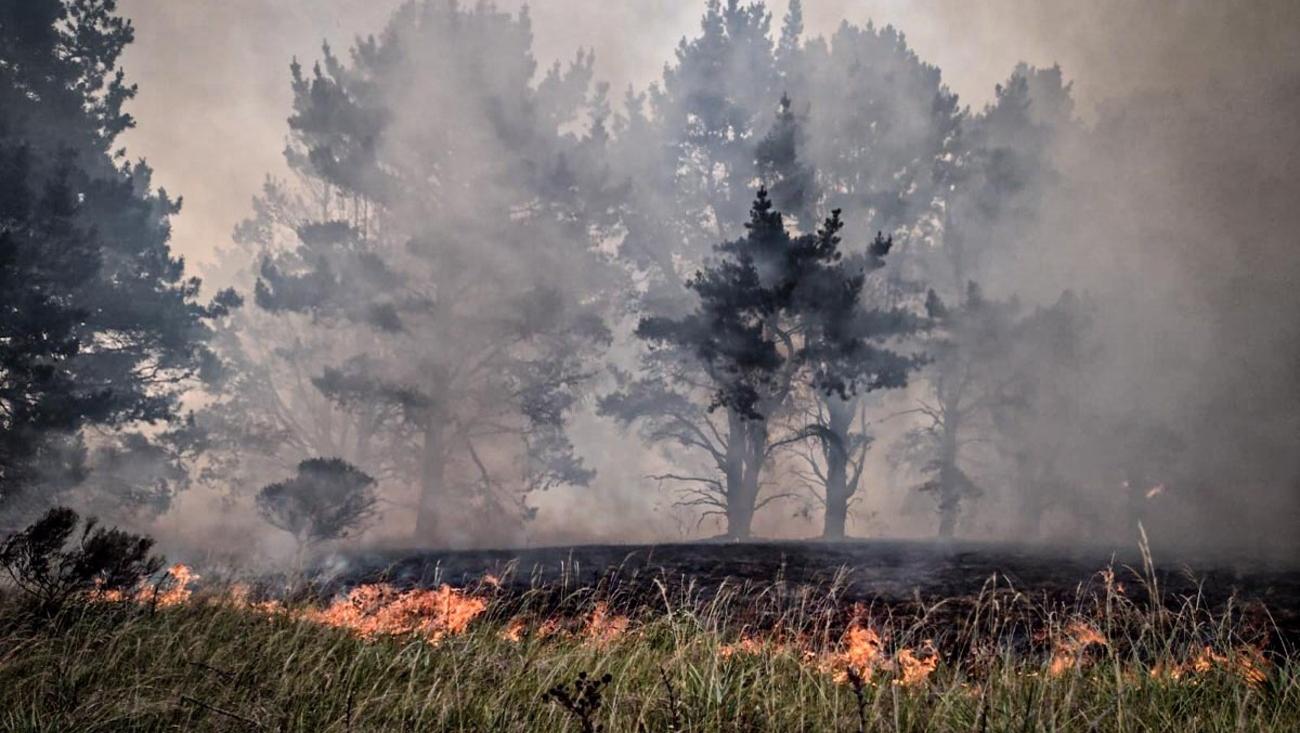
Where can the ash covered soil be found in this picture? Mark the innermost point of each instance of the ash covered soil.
(892, 575)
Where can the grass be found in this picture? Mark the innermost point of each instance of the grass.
(748, 659)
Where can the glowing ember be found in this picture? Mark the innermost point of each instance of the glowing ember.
(492, 580)
(1250, 665)
(1155, 491)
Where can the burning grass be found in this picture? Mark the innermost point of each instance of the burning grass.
(379, 657)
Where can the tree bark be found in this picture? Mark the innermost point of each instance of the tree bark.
(947, 521)
(746, 450)
(835, 449)
(1032, 484)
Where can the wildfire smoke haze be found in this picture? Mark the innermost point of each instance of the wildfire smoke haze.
(1123, 187)
(691, 365)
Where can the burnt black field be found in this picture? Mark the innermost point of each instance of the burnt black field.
(891, 576)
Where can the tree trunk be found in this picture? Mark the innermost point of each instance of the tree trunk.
(835, 448)
(746, 449)
(432, 468)
(735, 477)
(837, 498)
(950, 486)
(947, 520)
(1031, 511)
(1028, 486)
(740, 518)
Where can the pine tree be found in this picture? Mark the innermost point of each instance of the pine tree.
(100, 324)
(689, 154)
(834, 419)
(777, 313)
(452, 271)
(791, 181)
(966, 347)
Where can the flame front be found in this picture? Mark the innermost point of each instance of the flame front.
(515, 630)
(382, 610)
(172, 589)
(1247, 663)
(376, 610)
(861, 650)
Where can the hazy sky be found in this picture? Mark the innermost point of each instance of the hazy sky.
(214, 73)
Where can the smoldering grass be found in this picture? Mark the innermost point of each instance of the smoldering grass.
(682, 662)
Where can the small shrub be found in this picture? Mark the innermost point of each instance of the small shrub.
(50, 566)
(328, 499)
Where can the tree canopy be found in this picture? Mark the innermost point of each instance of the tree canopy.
(101, 326)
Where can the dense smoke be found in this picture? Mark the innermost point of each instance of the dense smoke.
(450, 268)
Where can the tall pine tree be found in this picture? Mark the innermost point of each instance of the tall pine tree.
(452, 272)
(98, 323)
(777, 313)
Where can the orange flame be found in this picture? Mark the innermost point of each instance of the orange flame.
(746, 645)
(604, 627)
(914, 670)
(382, 610)
(862, 651)
(548, 628)
(178, 592)
(1069, 649)
(177, 581)
(376, 610)
(1248, 663)
(515, 630)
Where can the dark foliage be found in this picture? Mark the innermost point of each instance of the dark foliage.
(773, 305)
(582, 699)
(98, 323)
(328, 499)
(780, 315)
(50, 561)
